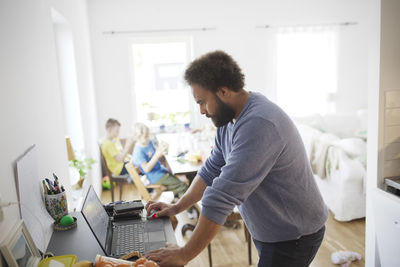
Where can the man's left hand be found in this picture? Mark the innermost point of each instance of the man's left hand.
(170, 256)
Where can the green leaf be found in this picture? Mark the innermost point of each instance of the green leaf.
(82, 164)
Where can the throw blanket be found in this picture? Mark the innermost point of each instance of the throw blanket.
(323, 151)
(328, 150)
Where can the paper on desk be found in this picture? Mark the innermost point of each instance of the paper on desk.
(33, 211)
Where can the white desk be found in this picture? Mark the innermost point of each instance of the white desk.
(178, 167)
(178, 143)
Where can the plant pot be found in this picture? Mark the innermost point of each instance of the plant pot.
(79, 184)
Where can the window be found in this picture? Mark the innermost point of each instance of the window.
(160, 94)
(306, 70)
(68, 84)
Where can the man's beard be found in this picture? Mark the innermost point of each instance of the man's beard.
(223, 115)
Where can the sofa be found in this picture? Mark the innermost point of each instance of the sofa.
(336, 148)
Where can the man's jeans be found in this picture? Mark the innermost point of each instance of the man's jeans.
(292, 253)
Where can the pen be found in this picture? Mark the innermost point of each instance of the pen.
(57, 184)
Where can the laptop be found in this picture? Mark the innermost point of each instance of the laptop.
(118, 238)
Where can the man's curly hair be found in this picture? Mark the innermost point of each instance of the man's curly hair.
(215, 70)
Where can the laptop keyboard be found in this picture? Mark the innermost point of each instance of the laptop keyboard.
(127, 238)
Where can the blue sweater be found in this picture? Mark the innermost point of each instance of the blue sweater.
(143, 154)
(259, 163)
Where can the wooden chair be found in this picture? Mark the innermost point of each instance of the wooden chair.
(117, 179)
(143, 190)
(159, 190)
(234, 216)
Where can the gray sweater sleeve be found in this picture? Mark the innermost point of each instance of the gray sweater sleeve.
(212, 166)
(256, 146)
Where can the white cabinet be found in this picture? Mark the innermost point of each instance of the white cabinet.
(387, 222)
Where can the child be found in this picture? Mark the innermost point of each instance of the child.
(116, 157)
(146, 157)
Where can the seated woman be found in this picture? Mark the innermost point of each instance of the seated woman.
(147, 158)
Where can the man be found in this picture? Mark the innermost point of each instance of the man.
(258, 163)
(115, 156)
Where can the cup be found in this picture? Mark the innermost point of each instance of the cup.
(165, 147)
(56, 205)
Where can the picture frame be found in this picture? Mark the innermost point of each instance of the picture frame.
(18, 248)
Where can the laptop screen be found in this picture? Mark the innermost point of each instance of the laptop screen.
(96, 216)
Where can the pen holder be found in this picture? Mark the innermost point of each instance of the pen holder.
(56, 205)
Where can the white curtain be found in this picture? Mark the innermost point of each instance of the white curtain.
(306, 67)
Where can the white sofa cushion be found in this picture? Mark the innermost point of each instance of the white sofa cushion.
(342, 125)
(354, 147)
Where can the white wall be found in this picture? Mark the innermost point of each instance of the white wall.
(30, 100)
(235, 22)
(76, 14)
(374, 10)
(30, 97)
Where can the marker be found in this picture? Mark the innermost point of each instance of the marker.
(55, 177)
(56, 183)
(57, 189)
(50, 185)
(49, 182)
(45, 189)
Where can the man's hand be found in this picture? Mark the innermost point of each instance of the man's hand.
(163, 209)
(170, 256)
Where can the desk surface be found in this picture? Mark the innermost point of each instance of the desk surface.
(79, 241)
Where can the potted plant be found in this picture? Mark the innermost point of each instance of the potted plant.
(82, 164)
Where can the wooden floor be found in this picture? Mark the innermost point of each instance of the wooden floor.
(230, 249)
